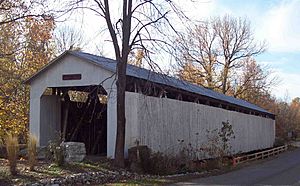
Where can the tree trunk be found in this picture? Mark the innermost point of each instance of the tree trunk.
(209, 78)
(121, 120)
(224, 78)
(121, 82)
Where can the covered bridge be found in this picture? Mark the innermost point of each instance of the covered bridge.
(74, 97)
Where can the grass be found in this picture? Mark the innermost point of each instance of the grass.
(53, 170)
(93, 167)
(12, 148)
(32, 141)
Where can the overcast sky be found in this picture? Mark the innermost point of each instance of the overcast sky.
(276, 21)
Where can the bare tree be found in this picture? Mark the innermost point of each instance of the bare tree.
(218, 47)
(253, 81)
(141, 26)
(197, 53)
(68, 38)
(236, 41)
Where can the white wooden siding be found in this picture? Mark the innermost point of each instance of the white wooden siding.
(161, 123)
(50, 119)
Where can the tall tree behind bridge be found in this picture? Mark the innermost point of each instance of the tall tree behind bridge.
(252, 82)
(136, 57)
(68, 38)
(217, 49)
(197, 56)
(288, 117)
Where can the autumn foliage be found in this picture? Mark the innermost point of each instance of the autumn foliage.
(24, 48)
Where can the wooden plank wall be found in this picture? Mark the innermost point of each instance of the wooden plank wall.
(50, 119)
(168, 125)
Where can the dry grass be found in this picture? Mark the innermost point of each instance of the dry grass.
(12, 148)
(32, 151)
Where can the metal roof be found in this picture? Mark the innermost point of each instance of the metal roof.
(110, 64)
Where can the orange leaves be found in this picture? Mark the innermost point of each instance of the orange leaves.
(40, 29)
(192, 74)
(38, 49)
(27, 47)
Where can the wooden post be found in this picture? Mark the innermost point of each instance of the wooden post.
(96, 142)
(65, 117)
(135, 87)
(179, 97)
(86, 105)
(162, 93)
